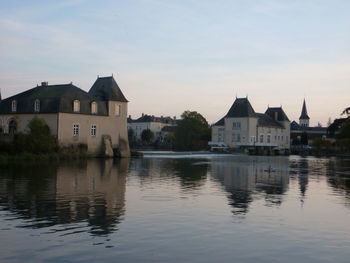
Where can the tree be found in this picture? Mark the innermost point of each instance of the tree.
(147, 136)
(40, 139)
(344, 132)
(192, 132)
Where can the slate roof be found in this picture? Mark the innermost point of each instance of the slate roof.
(267, 121)
(220, 122)
(304, 115)
(106, 88)
(59, 98)
(281, 115)
(151, 118)
(294, 126)
(241, 108)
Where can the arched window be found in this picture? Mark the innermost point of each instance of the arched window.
(76, 106)
(37, 105)
(14, 106)
(93, 107)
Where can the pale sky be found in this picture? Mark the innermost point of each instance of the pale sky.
(170, 56)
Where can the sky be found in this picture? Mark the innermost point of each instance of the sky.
(171, 56)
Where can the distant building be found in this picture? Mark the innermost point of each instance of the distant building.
(243, 128)
(73, 115)
(303, 128)
(152, 123)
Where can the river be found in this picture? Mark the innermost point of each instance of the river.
(201, 208)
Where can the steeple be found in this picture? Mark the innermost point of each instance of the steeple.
(304, 118)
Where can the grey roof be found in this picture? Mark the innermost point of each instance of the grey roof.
(220, 122)
(273, 111)
(266, 120)
(294, 126)
(53, 99)
(106, 88)
(151, 118)
(304, 115)
(241, 108)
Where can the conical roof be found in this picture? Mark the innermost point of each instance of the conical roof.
(106, 88)
(304, 115)
(241, 108)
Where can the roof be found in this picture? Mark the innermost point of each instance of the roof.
(53, 99)
(106, 88)
(241, 108)
(152, 118)
(304, 115)
(266, 120)
(273, 111)
(220, 122)
(294, 126)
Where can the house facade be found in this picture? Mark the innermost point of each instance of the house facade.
(243, 128)
(73, 115)
(152, 123)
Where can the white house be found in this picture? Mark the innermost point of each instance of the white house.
(152, 123)
(243, 128)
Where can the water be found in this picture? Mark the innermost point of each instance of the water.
(199, 209)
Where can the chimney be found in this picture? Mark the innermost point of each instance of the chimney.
(276, 115)
(44, 83)
(174, 117)
(143, 114)
(129, 116)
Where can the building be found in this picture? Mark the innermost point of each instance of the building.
(97, 119)
(303, 129)
(152, 123)
(243, 128)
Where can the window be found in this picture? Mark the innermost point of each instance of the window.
(262, 138)
(236, 126)
(37, 105)
(94, 107)
(268, 138)
(238, 137)
(75, 129)
(252, 139)
(14, 106)
(117, 110)
(93, 130)
(76, 106)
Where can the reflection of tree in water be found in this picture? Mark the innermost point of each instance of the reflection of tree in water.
(303, 177)
(246, 178)
(192, 173)
(56, 195)
(338, 177)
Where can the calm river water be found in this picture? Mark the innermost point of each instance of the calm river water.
(200, 209)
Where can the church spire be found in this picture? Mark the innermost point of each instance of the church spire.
(304, 118)
(304, 115)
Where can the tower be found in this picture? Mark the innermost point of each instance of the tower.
(304, 119)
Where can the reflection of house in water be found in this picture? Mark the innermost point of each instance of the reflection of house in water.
(92, 192)
(245, 177)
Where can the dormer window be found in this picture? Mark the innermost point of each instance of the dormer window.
(37, 105)
(76, 106)
(93, 107)
(14, 106)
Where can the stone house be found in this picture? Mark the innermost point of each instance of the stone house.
(243, 128)
(73, 115)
